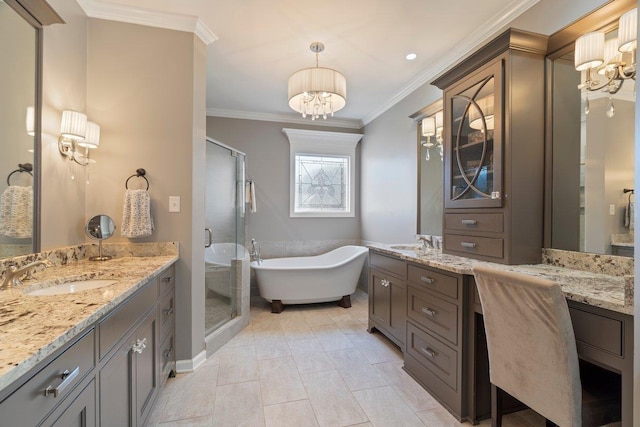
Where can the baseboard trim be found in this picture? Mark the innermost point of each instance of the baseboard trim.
(190, 365)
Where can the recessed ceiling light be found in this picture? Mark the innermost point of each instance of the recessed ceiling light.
(411, 56)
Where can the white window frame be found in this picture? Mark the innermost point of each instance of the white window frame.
(322, 143)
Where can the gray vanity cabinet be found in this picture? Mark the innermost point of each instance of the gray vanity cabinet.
(387, 297)
(81, 411)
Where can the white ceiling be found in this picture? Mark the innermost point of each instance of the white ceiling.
(261, 43)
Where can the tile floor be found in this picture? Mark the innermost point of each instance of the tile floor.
(313, 365)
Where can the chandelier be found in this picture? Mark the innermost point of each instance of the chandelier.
(614, 60)
(317, 91)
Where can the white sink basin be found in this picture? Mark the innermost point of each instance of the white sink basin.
(72, 287)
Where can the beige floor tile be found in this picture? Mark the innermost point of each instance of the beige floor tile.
(238, 364)
(331, 337)
(356, 372)
(290, 414)
(406, 387)
(439, 417)
(385, 408)
(238, 405)
(375, 347)
(297, 330)
(191, 422)
(317, 317)
(272, 348)
(191, 395)
(332, 402)
(280, 381)
(245, 337)
(351, 326)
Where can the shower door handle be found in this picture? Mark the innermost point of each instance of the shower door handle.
(210, 235)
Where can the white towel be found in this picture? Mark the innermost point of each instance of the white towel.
(16, 212)
(136, 214)
(628, 215)
(250, 196)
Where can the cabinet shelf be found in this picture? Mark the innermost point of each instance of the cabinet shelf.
(472, 145)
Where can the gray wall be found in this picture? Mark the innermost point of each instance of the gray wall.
(389, 171)
(267, 149)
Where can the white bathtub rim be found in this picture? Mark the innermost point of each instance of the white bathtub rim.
(271, 263)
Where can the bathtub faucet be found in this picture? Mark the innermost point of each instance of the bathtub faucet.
(255, 252)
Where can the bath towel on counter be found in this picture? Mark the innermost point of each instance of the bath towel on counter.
(136, 214)
(16, 212)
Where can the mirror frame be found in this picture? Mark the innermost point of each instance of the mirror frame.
(37, 13)
(605, 18)
(429, 110)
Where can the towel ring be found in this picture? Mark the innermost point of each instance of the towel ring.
(22, 167)
(139, 173)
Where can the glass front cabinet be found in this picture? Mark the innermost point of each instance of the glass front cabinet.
(494, 151)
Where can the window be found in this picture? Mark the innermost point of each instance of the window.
(322, 173)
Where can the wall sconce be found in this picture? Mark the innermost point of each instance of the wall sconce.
(433, 126)
(615, 60)
(75, 132)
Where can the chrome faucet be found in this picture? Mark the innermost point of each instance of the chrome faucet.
(13, 274)
(255, 252)
(427, 241)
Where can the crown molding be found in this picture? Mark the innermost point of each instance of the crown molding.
(150, 18)
(464, 48)
(284, 118)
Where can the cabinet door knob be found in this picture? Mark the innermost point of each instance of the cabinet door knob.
(168, 311)
(167, 353)
(384, 282)
(65, 379)
(139, 346)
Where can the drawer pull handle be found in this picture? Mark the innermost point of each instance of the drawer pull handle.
(168, 279)
(385, 283)
(427, 279)
(429, 352)
(168, 311)
(139, 346)
(468, 244)
(65, 379)
(469, 221)
(429, 312)
(167, 353)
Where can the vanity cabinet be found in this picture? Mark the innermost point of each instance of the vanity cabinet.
(110, 374)
(434, 348)
(494, 151)
(387, 297)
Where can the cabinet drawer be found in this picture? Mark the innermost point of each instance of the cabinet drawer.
(28, 405)
(598, 331)
(437, 357)
(493, 223)
(166, 314)
(116, 325)
(484, 246)
(433, 280)
(167, 281)
(167, 357)
(433, 313)
(392, 265)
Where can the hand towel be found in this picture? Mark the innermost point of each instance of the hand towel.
(628, 215)
(16, 212)
(250, 196)
(136, 214)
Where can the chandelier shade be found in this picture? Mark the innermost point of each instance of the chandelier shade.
(317, 91)
(589, 51)
(628, 31)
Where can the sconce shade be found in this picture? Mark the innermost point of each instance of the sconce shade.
(92, 138)
(486, 109)
(30, 122)
(589, 51)
(428, 126)
(628, 31)
(73, 125)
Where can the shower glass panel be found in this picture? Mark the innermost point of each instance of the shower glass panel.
(224, 234)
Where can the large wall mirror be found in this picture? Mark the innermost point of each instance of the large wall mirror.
(590, 144)
(20, 85)
(430, 172)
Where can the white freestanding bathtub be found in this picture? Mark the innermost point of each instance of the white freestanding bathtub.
(217, 259)
(332, 276)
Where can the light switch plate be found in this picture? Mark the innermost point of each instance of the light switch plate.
(174, 203)
(612, 209)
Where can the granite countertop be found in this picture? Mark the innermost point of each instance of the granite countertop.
(596, 289)
(33, 327)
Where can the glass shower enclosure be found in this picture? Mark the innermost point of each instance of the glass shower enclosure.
(224, 233)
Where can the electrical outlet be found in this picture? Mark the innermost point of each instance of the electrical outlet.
(612, 209)
(174, 203)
